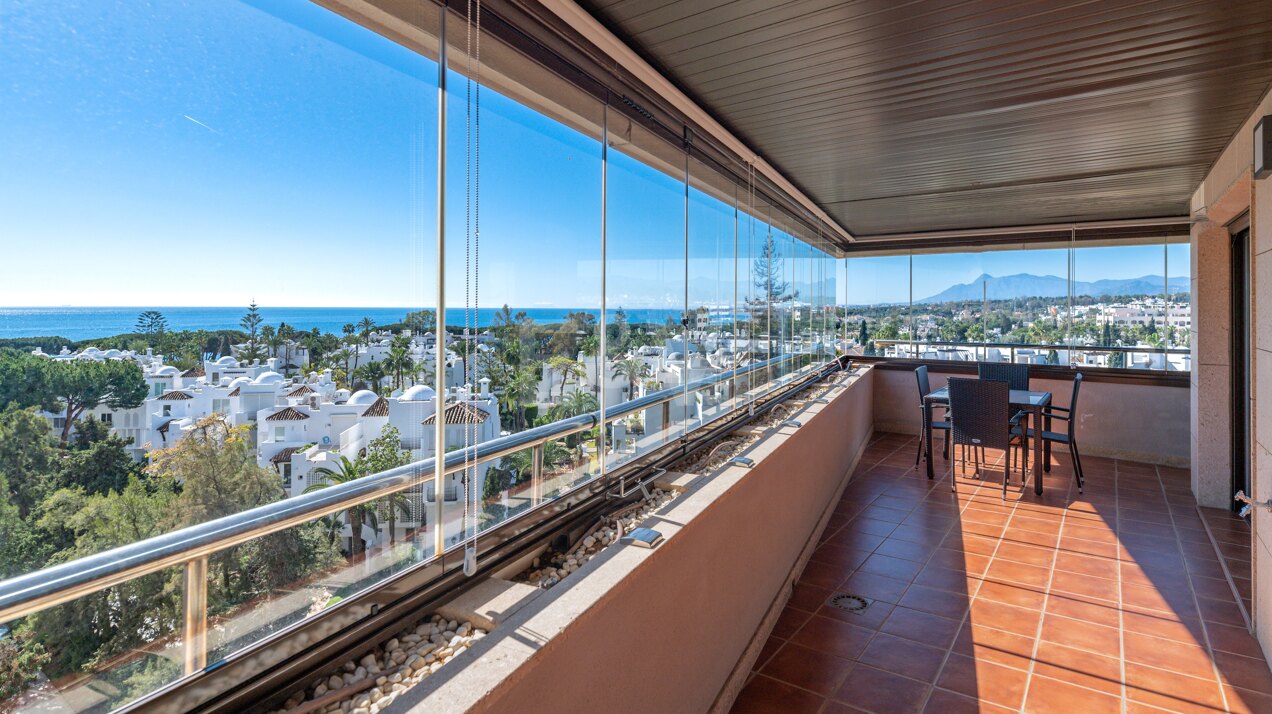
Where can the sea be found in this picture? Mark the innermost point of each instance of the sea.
(86, 323)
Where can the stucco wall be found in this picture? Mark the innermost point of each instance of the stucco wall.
(662, 630)
(1136, 422)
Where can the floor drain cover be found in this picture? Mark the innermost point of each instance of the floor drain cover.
(849, 603)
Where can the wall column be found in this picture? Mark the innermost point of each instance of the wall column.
(1211, 414)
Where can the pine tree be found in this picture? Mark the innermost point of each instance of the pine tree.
(251, 324)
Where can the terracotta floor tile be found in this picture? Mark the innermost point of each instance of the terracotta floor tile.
(996, 646)
(902, 656)
(984, 680)
(1244, 672)
(1164, 625)
(833, 637)
(825, 575)
(846, 558)
(769, 649)
(1082, 635)
(764, 695)
(1236, 640)
(1018, 573)
(1080, 607)
(1001, 616)
(808, 669)
(1190, 659)
(789, 622)
(1244, 701)
(949, 579)
(1087, 565)
(1028, 554)
(1047, 696)
(1225, 612)
(921, 627)
(1086, 585)
(937, 602)
(898, 548)
(808, 597)
(1025, 596)
(875, 587)
(1087, 669)
(943, 701)
(891, 567)
(1171, 691)
(874, 690)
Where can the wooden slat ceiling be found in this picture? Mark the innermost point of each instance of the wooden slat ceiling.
(913, 116)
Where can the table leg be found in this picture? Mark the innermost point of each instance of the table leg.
(1046, 445)
(1036, 418)
(927, 441)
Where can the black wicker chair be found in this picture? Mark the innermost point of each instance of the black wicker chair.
(1068, 437)
(1015, 375)
(981, 408)
(925, 388)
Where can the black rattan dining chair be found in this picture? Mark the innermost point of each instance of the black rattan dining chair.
(925, 388)
(1015, 375)
(1068, 437)
(981, 408)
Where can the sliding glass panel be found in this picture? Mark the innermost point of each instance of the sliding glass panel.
(181, 158)
(1120, 291)
(877, 306)
(523, 271)
(712, 291)
(1179, 304)
(645, 287)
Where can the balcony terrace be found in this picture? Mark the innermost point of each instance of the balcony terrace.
(643, 434)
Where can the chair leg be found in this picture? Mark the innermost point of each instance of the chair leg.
(1077, 465)
(1006, 476)
(946, 446)
(919, 455)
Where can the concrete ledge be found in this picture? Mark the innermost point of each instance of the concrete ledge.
(663, 630)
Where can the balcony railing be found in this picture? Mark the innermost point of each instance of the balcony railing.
(191, 547)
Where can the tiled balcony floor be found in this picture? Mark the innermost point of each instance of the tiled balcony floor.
(1109, 601)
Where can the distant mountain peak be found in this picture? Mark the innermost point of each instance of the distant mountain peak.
(1024, 285)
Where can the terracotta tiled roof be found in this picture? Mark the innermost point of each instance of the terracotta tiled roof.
(301, 391)
(379, 409)
(461, 413)
(285, 455)
(163, 429)
(235, 393)
(288, 414)
(193, 372)
(173, 396)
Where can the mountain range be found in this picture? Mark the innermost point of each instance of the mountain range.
(1009, 287)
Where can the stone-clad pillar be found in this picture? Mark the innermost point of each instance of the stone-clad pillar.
(1211, 365)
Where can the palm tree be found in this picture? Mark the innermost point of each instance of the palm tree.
(286, 333)
(346, 472)
(568, 369)
(578, 402)
(365, 326)
(389, 507)
(350, 330)
(591, 346)
(270, 338)
(399, 359)
(634, 369)
(518, 392)
(373, 374)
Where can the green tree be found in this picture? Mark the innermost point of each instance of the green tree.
(634, 369)
(591, 347)
(83, 385)
(151, 322)
(96, 460)
(346, 472)
(575, 403)
(383, 453)
(251, 324)
(568, 369)
(421, 321)
(21, 658)
(863, 336)
(27, 459)
(399, 361)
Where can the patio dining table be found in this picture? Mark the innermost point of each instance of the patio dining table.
(1029, 401)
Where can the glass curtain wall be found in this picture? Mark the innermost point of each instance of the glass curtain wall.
(1094, 304)
(588, 263)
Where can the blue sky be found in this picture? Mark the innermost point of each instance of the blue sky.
(212, 152)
